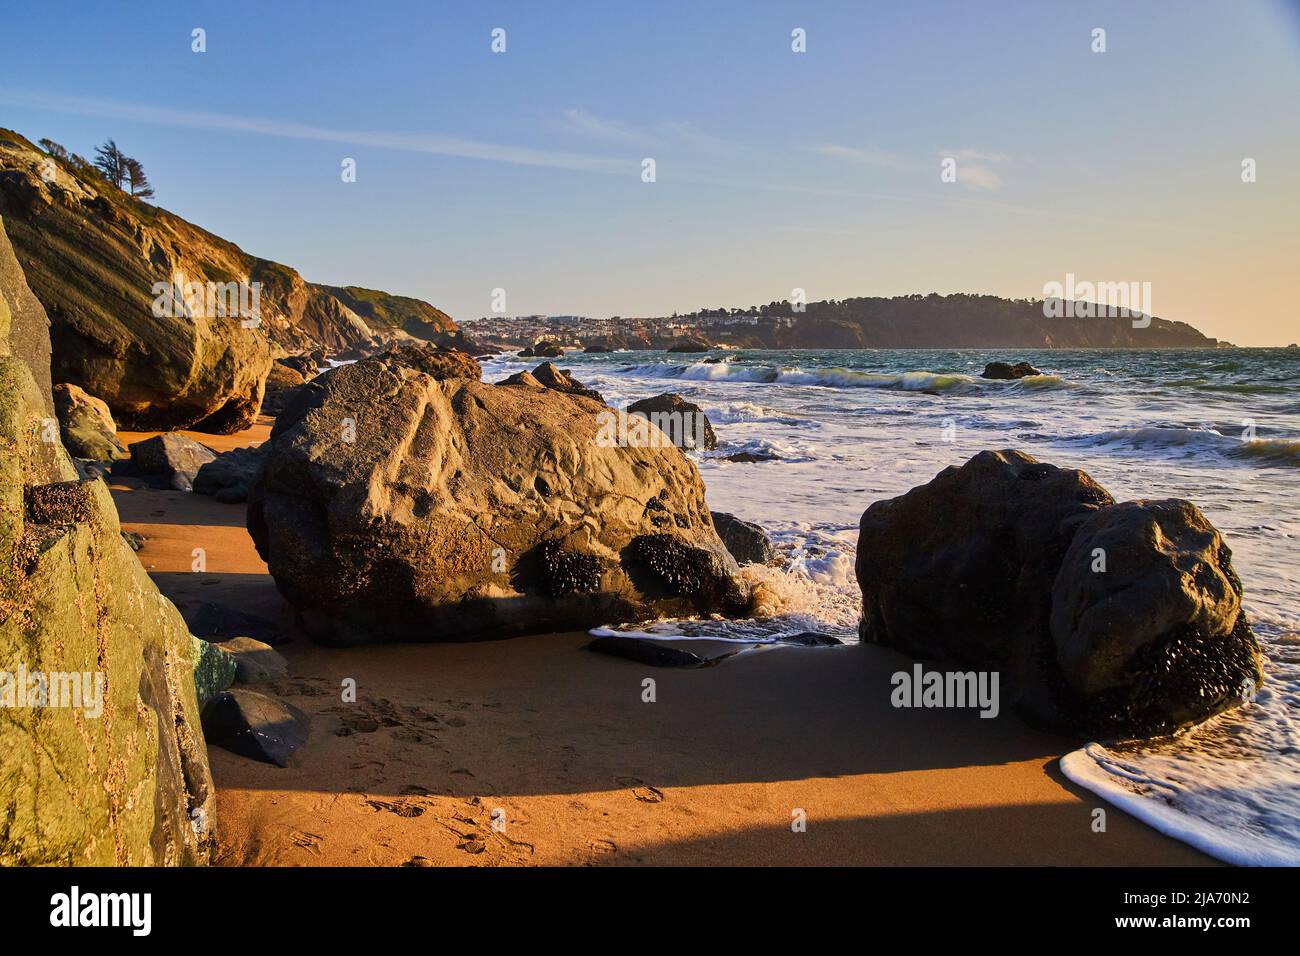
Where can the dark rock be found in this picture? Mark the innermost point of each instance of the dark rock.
(748, 543)
(991, 566)
(1003, 370)
(254, 660)
(543, 350)
(209, 620)
(596, 350)
(229, 476)
(255, 726)
(63, 502)
(281, 382)
(810, 639)
(307, 365)
(683, 422)
(686, 571)
(169, 461)
(568, 572)
(749, 457)
(134, 539)
(653, 653)
(1159, 640)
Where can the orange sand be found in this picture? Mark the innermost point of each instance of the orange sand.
(558, 742)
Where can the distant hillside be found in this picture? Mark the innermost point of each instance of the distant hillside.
(938, 321)
(93, 254)
(382, 310)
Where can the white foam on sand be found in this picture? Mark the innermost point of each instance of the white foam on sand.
(1232, 837)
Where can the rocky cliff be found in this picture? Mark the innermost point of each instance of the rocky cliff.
(95, 258)
(102, 760)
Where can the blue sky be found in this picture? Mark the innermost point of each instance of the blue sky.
(775, 170)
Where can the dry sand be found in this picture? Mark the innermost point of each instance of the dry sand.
(558, 743)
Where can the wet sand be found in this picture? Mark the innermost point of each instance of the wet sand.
(558, 745)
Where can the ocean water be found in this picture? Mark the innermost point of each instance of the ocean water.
(1221, 428)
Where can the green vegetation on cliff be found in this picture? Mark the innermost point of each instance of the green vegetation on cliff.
(380, 309)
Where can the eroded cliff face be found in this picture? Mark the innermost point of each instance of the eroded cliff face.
(102, 760)
(95, 258)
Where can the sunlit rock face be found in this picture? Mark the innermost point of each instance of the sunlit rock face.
(404, 499)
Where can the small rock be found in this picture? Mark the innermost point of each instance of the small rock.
(216, 620)
(1003, 370)
(642, 651)
(547, 375)
(228, 477)
(691, 345)
(86, 425)
(749, 457)
(543, 350)
(134, 539)
(171, 460)
(748, 543)
(255, 726)
(810, 639)
(254, 660)
(683, 422)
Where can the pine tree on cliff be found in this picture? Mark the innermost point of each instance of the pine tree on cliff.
(111, 161)
(53, 148)
(136, 179)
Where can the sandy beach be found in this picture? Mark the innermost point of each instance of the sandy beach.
(557, 742)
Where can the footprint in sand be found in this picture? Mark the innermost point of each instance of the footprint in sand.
(308, 841)
(403, 808)
(641, 790)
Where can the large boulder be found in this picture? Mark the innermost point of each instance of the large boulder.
(415, 502)
(122, 778)
(1102, 619)
(86, 425)
(1159, 639)
(683, 422)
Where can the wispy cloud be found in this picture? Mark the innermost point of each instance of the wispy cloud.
(974, 166)
(866, 156)
(260, 126)
(581, 123)
(662, 135)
